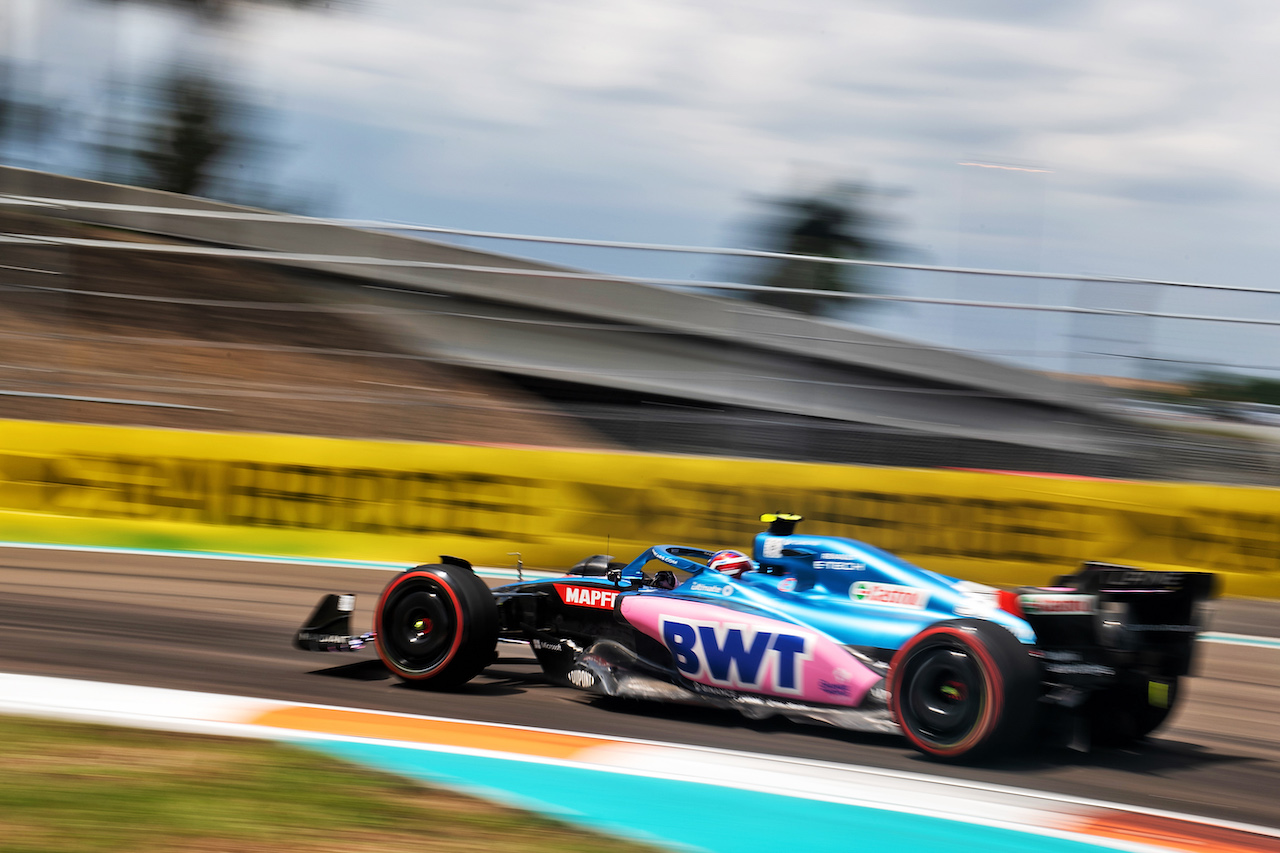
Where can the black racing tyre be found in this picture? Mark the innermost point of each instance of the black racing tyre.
(436, 625)
(963, 690)
(1129, 712)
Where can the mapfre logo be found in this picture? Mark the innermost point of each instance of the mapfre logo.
(587, 596)
(738, 656)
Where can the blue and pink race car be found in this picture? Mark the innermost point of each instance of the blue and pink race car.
(816, 629)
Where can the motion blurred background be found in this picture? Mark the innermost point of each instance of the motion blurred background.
(1051, 220)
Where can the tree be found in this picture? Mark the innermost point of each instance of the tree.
(193, 126)
(221, 10)
(839, 222)
(182, 131)
(1236, 388)
(26, 122)
(195, 134)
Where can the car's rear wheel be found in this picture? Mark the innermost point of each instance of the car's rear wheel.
(436, 625)
(963, 690)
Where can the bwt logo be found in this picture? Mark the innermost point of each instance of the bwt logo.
(738, 656)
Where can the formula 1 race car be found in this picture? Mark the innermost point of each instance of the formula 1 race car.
(813, 628)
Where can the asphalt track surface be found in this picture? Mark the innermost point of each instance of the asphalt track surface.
(225, 627)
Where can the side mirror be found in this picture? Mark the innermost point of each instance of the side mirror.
(614, 576)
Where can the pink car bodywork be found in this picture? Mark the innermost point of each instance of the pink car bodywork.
(747, 652)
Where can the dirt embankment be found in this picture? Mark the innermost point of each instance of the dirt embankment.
(117, 337)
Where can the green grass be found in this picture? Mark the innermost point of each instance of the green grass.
(73, 787)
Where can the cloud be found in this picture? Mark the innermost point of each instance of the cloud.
(1148, 108)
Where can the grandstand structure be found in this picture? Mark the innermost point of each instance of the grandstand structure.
(652, 366)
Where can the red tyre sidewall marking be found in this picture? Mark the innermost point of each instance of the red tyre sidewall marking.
(457, 619)
(991, 672)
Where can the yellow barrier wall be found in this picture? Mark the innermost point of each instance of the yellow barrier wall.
(77, 484)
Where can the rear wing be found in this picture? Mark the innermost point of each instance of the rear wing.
(1149, 618)
(1100, 578)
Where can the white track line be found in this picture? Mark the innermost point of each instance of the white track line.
(972, 802)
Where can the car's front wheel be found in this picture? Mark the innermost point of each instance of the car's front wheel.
(436, 625)
(963, 690)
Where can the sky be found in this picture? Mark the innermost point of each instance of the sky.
(1133, 139)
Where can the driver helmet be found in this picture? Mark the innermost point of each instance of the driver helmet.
(731, 563)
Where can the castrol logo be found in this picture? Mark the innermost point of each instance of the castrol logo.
(888, 594)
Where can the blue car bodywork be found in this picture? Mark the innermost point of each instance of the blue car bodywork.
(820, 629)
(840, 587)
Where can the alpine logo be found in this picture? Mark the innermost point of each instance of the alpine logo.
(1140, 579)
(889, 594)
(587, 596)
(1065, 604)
(738, 656)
